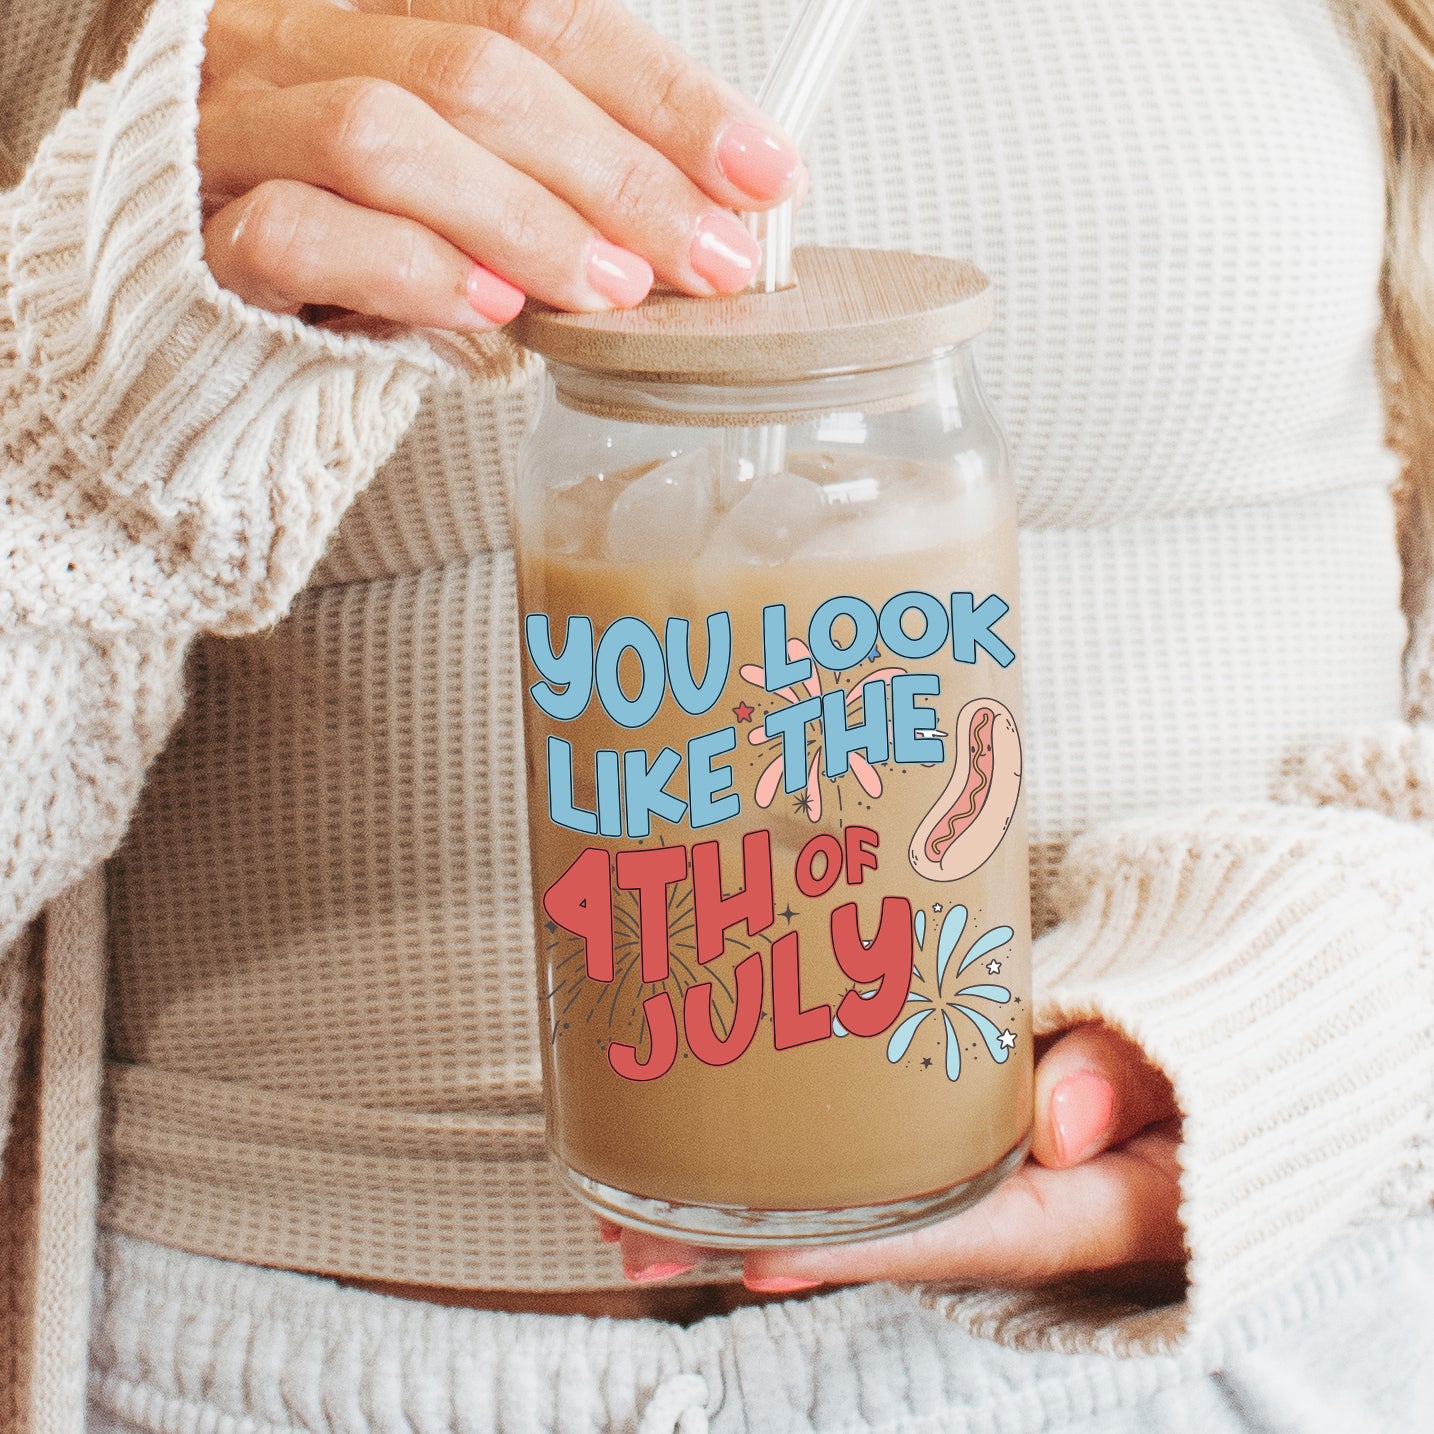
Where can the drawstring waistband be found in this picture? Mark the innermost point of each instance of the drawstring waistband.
(678, 1406)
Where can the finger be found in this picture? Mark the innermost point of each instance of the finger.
(520, 109)
(286, 245)
(381, 147)
(647, 1258)
(1094, 1089)
(648, 84)
(608, 1232)
(1041, 1224)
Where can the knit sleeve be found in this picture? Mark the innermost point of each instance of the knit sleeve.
(172, 455)
(171, 459)
(1275, 962)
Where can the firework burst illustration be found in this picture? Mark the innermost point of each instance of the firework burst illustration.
(615, 1006)
(770, 782)
(997, 1041)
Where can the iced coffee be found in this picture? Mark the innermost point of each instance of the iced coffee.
(775, 791)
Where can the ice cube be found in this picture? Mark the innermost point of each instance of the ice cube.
(818, 466)
(778, 513)
(665, 515)
(884, 530)
(918, 508)
(575, 516)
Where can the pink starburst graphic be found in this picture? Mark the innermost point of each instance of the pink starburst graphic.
(770, 782)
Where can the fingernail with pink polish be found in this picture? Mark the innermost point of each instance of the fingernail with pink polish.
(620, 277)
(663, 1270)
(1080, 1114)
(494, 298)
(724, 253)
(757, 162)
(609, 1233)
(777, 1284)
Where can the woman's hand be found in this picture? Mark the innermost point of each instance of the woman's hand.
(436, 168)
(1101, 1190)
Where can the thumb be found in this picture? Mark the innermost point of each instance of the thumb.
(1094, 1089)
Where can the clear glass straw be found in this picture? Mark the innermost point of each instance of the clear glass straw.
(794, 93)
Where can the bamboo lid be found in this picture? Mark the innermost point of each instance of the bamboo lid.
(850, 309)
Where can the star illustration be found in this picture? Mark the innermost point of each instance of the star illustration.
(743, 712)
(994, 966)
(938, 908)
(1008, 1040)
(874, 653)
(787, 914)
(925, 1061)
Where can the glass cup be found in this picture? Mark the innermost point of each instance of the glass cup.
(772, 714)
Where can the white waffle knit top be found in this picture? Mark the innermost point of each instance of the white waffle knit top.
(322, 1046)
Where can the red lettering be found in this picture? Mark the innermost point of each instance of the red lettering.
(808, 882)
(861, 845)
(650, 873)
(791, 1025)
(580, 901)
(702, 1038)
(886, 959)
(718, 914)
(662, 1043)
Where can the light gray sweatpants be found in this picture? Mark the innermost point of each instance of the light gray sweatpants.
(189, 1345)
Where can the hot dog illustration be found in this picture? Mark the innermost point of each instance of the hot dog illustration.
(971, 815)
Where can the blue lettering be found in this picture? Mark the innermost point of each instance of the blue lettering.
(561, 807)
(630, 633)
(868, 737)
(706, 782)
(693, 698)
(572, 670)
(777, 670)
(934, 626)
(907, 719)
(609, 793)
(824, 646)
(971, 625)
(790, 724)
(646, 790)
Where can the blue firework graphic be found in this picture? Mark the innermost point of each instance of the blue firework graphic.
(953, 929)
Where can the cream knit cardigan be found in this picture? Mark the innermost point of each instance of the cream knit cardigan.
(173, 462)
